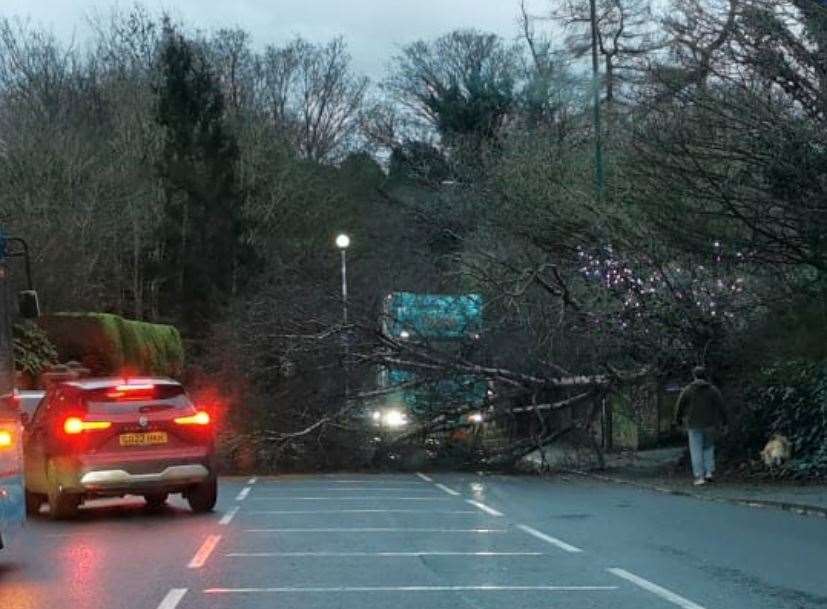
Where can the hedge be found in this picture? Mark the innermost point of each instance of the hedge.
(109, 344)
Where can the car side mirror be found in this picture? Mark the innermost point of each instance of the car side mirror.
(28, 304)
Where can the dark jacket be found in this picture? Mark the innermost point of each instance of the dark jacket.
(702, 405)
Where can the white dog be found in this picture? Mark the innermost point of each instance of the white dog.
(777, 451)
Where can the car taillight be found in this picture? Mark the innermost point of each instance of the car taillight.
(132, 392)
(199, 418)
(75, 425)
(6, 439)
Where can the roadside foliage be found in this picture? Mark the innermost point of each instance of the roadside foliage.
(198, 180)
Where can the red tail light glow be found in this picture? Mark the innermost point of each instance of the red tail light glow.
(75, 425)
(6, 439)
(199, 418)
(132, 392)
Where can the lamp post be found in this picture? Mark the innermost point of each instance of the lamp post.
(343, 242)
(598, 145)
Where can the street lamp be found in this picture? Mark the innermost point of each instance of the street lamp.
(343, 242)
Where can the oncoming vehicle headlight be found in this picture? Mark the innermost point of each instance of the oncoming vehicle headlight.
(475, 417)
(394, 418)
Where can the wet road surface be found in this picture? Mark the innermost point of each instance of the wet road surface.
(420, 540)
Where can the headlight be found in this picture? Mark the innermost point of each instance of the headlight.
(475, 417)
(394, 418)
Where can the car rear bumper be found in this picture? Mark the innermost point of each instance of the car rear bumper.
(105, 474)
(119, 479)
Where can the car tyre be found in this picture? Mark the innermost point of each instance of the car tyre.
(62, 505)
(33, 502)
(202, 497)
(155, 501)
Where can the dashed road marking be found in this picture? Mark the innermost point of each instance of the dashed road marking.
(663, 593)
(228, 517)
(252, 480)
(354, 498)
(424, 477)
(172, 598)
(369, 481)
(369, 489)
(242, 495)
(450, 491)
(375, 530)
(378, 554)
(484, 508)
(366, 511)
(412, 589)
(329, 485)
(549, 539)
(204, 552)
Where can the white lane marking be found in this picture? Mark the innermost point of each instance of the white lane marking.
(204, 551)
(242, 495)
(413, 589)
(424, 477)
(380, 511)
(549, 539)
(172, 598)
(252, 480)
(375, 530)
(370, 481)
(655, 589)
(375, 489)
(228, 517)
(345, 483)
(484, 508)
(359, 498)
(450, 491)
(380, 554)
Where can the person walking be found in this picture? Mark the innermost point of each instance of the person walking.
(700, 408)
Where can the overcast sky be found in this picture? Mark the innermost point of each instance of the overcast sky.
(372, 28)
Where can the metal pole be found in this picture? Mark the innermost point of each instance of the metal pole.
(598, 144)
(345, 333)
(344, 286)
(26, 259)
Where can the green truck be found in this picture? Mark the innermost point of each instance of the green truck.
(446, 323)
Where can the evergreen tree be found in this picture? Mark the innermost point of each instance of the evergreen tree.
(197, 168)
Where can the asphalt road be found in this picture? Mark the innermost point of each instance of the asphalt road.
(409, 541)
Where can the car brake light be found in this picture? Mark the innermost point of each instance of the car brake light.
(74, 425)
(6, 439)
(132, 392)
(199, 418)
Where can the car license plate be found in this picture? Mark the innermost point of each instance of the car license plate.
(143, 439)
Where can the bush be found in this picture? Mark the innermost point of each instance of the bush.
(33, 351)
(792, 400)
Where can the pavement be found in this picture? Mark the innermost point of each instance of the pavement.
(663, 470)
(408, 541)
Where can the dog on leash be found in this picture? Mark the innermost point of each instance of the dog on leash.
(777, 451)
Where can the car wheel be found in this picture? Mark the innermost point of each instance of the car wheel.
(62, 505)
(33, 502)
(155, 501)
(202, 497)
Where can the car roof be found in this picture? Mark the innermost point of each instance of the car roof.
(92, 383)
